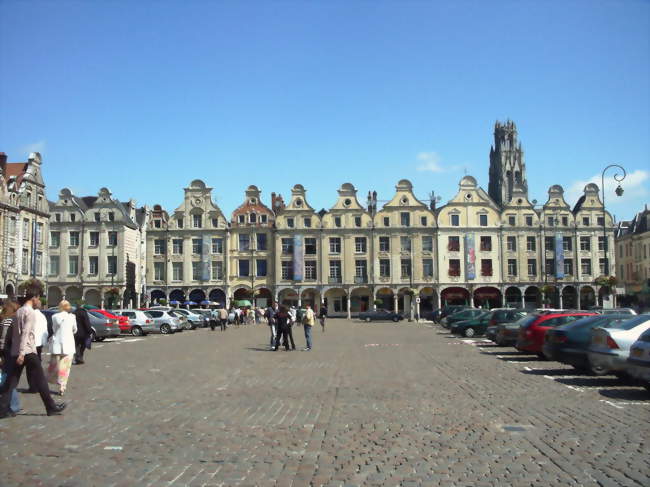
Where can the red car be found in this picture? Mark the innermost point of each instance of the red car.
(122, 321)
(531, 336)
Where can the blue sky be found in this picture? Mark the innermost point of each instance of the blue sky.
(143, 97)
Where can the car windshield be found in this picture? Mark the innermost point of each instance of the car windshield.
(96, 314)
(627, 323)
(525, 321)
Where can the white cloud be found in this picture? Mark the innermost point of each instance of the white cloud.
(430, 161)
(38, 146)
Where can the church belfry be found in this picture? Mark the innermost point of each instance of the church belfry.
(507, 167)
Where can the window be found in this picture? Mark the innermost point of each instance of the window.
(55, 240)
(111, 260)
(112, 239)
(384, 267)
(177, 246)
(180, 223)
(453, 244)
(177, 271)
(157, 223)
(512, 220)
(12, 257)
(585, 243)
(335, 269)
(74, 239)
(532, 267)
(427, 268)
(263, 218)
(244, 241)
(423, 221)
(93, 239)
(196, 246)
(310, 270)
(38, 263)
(565, 221)
(387, 221)
(287, 270)
(306, 222)
(568, 267)
(215, 222)
(244, 268)
(25, 262)
(261, 241)
(567, 243)
(549, 244)
(241, 219)
(357, 221)
(405, 243)
(54, 265)
(585, 266)
(601, 243)
(159, 271)
(512, 267)
(549, 221)
(93, 265)
(97, 217)
(335, 245)
(217, 245)
(384, 244)
(310, 246)
(486, 243)
(361, 268)
(602, 266)
(290, 223)
(360, 245)
(600, 221)
(197, 221)
(337, 221)
(405, 266)
(550, 267)
(252, 217)
(455, 220)
(405, 219)
(73, 217)
(73, 265)
(217, 270)
(427, 243)
(287, 246)
(531, 244)
(196, 271)
(486, 267)
(511, 243)
(260, 267)
(454, 267)
(585, 221)
(57, 217)
(483, 220)
(529, 220)
(111, 216)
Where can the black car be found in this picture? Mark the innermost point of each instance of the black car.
(500, 316)
(461, 315)
(450, 310)
(472, 327)
(380, 315)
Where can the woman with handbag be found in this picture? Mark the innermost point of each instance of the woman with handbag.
(62, 346)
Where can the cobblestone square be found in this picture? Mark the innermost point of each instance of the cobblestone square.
(372, 404)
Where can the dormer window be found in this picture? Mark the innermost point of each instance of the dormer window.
(565, 221)
(483, 220)
(73, 217)
(180, 223)
(263, 219)
(423, 221)
(405, 219)
(337, 221)
(111, 217)
(585, 221)
(307, 222)
(57, 217)
(252, 218)
(157, 223)
(97, 217)
(197, 221)
(387, 221)
(241, 219)
(215, 222)
(290, 222)
(357, 221)
(455, 220)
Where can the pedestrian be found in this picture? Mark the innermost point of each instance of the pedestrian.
(41, 337)
(238, 316)
(258, 315)
(293, 314)
(8, 317)
(23, 351)
(62, 346)
(290, 334)
(271, 316)
(308, 322)
(223, 318)
(283, 320)
(83, 336)
(214, 318)
(322, 314)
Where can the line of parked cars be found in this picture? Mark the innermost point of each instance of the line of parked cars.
(598, 342)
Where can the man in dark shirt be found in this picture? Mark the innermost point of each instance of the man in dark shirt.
(84, 332)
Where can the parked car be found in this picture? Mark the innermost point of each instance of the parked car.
(450, 310)
(206, 314)
(502, 315)
(192, 320)
(165, 322)
(638, 363)
(508, 333)
(433, 315)
(618, 311)
(380, 315)
(610, 347)
(141, 324)
(102, 327)
(122, 321)
(569, 344)
(531, 335)
(473, 326)
(462, 315)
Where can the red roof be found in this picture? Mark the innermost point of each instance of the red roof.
(16, 169)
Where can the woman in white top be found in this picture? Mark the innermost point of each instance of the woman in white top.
(62, 346)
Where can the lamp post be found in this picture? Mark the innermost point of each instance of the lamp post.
(619, 192)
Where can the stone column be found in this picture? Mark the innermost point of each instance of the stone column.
(395, 299)
(417, 310)
(559, 296)
(578, 297)
(349, 311)
(438, 300)
(523, 298)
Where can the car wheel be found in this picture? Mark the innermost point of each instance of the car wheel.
(499, 341)
(598, 369)
(368, 319)
(136, 331)
(396, 319)
(469, 332)
(165, 329)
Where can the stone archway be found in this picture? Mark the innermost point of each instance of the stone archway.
(569, 297)
(455, 296)
(336, 300)
(73, 294)
(288, 297)
(217, 296)
(428, 299)
(197, 296)
(513, 297)
(488, 297)
(54, 295)
(360, 300)
(93, 297)
(587, 297)
(242, 293)
(311, 297)
(385, 295)
(157, 295)
(10, 291)
(263, 297)
(176, 297)
(532, 297)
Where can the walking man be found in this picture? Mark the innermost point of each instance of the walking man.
(308, 322)
(23, 352)
(223, 318)
(323, 316)
(84, 333)
(271, 313)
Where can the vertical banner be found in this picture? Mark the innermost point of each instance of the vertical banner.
(470, 256)
(205, 258)
(298, 258)
(559, 255)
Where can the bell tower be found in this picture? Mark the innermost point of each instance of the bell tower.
(507, 166)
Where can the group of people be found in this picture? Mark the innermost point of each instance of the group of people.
(281, 319)
(24, 332)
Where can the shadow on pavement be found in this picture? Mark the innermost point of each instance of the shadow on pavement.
(258, 349)
(553, 372)
(628, 394)
(591, 381)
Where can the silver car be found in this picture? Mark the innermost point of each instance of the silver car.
(638, 363)
(102, 327)
(195, 320)
(610, 347)
(164, 322)
(141, 324)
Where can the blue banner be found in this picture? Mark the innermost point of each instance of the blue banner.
(470, 257)
(298, 258)
(205, 258)
(559, 256)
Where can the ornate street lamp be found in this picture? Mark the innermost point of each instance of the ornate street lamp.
(619, 192)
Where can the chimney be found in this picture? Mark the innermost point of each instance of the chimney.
(3, 163)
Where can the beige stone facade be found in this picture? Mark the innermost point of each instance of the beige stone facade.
(633, 259)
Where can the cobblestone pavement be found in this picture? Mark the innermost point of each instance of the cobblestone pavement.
(372, 404)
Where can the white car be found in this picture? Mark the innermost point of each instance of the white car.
(610, 347)
(638, 363)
